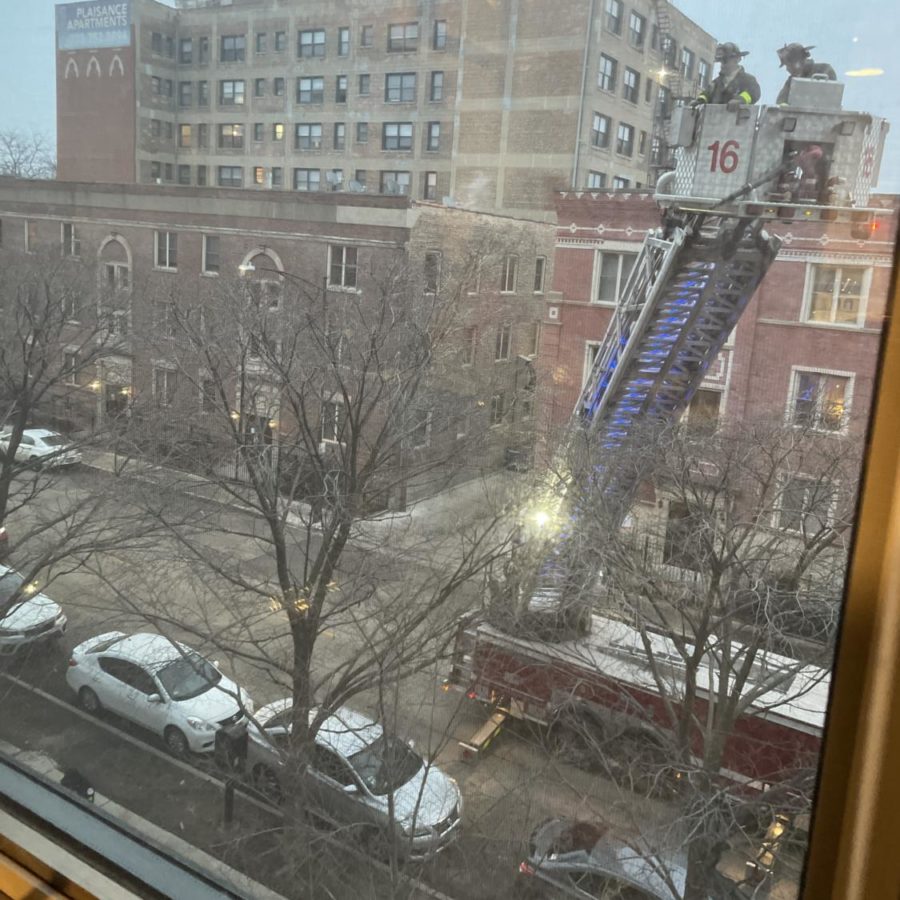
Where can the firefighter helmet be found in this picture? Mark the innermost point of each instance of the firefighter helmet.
(793, 53)
(729, 51)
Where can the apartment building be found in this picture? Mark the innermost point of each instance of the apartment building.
(495, 105)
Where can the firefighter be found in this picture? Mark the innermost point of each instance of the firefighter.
(732, 86)
(796, 59)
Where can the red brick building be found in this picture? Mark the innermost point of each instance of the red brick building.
(807, 345)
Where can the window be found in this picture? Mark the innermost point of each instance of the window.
(70, 366)
(201, 175)
(433, 141)
(703, 73)
(116, 276)
(393, 182)
(203, 50)
(340, 133)
(259, 87)
(436, 87)
(642, 144)
(277, 176)
(432, 271)
(680, 546)
(280, 41)
(166, 249)
(440, 35)
(614, 16)
(259, 132)
(168, 171)
(503, 341)
(362, 132)
(531, 339)
(670, 51)
(364, 85)
(231, 136)
(637, 28)
(600, 129)
(367, 36)
(211, 262)
(836, 294)
(420, 432)
(184, 135)
(311, 43)
(664, 98)
(402, 38)
(400, 87)
(278, 131)
(625, 139)
(278, 86)
(620, 183)
(469, 343)
(156, 170)
(307, 179)
(170, 47)
(820, 400)
(310, 90)
(805, 504)
(703, 410)
(156, 85)
(596, 180)
(648, 90)
(209, 395)
(397, 136)
(185, 92)
(231, 93)
(340, 89)
(498, 408)
(631, 83)
(155, 128)
(333, 421)
(165, 385)
(231, 176)
(508, 278)
(71, 245)
(308, 136)
(202, 93)
(429, 187)
(156, 42)
(687, 63)
(203, 135)
(343, 41)
(341, 266)
(184, 174)
(168, 126)
(361, 176)
(612, 271)
(540, 266)
(607, 77)
(185, 51)
(232, 48)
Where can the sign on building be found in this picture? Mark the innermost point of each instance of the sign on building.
(90, 26)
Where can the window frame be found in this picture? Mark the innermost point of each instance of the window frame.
(316, 47)
(809, 293)
(316, 94)
(503, 342)
(509, 276)
(397, 137)
(608, 73)
(237, 52)
(171, 251)
(816, 425)
(308, 179)
(205, 255)
(407, 43)
(620, 250)
(349, 270)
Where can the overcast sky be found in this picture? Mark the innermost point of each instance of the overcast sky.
(864, 34)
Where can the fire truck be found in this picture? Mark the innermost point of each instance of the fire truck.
(734, 172)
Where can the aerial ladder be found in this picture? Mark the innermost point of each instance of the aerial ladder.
(735, 171)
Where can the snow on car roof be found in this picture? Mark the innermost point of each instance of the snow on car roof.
(345, 731)
(149, 649)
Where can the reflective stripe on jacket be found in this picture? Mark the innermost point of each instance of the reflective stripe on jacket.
(743, 87)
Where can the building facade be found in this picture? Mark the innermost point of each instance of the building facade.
(495, 105)
(173, 272)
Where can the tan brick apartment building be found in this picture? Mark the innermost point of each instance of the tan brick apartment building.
(494, 104)
(163, 255)
(806, 346)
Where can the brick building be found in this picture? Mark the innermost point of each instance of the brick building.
(495, 104)
(168, 263)
(810, 335)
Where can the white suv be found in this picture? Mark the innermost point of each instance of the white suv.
(43, 446)
(27, 616)
(162, 685)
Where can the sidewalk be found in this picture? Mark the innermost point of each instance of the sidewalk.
(430, 530)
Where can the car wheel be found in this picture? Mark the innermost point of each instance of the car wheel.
(176, 742)
(89, 701)
(266, 782)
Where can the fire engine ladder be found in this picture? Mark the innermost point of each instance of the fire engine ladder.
(683, 298)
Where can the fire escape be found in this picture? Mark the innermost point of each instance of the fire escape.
(664, 52)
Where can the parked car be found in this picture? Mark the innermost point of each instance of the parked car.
(43, 447)
(585, 861)
(160, 684)
(357, 772)
(27, 616)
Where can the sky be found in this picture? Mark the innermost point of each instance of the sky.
(850, 36)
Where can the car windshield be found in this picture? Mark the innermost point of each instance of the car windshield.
(188, 677)
(54, 440)
(386, 764)
(10, 586)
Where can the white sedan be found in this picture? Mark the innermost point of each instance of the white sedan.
(40, 445)
(161, 685)
(27, 616)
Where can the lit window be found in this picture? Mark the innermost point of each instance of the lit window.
(820, 401)
(231, 136)
(836, 294)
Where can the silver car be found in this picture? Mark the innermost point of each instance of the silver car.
(357, 773)
(27, 617)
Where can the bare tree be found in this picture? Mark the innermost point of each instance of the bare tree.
(26, 155)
